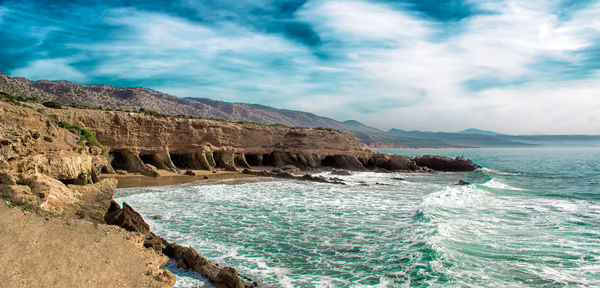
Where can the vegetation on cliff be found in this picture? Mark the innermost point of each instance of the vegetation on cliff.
(87, 137)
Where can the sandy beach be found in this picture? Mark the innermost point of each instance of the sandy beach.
(170, 178)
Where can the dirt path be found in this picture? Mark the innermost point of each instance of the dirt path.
(40, 251)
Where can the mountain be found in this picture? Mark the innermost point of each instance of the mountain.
(470, 139)
(479, 131)
(483, 138)
(132, 99)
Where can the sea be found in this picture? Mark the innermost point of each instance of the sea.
(529, 218)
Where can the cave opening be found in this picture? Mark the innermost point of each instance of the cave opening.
(217, 157)
(328, 161)
(118, 162)
(182, 161)
(268, 160)
(254, 159)
(150, 159)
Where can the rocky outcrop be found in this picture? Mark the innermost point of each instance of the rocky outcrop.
(441, 163)
(186, 257)
(50, 168)
(278, 173)
(126, 218)
(54, 172)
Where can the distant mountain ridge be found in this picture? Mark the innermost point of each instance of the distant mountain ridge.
(118, 98)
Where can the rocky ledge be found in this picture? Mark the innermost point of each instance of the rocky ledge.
(187, 258)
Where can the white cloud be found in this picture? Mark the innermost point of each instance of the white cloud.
(363, 20)
(50, 69)
(430, 74)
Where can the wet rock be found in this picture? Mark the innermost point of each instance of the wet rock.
(340, 172)
(229, 277)
(189, 259)
(441, 163)
(190, 173)
(398, 178)
(461, 182)
(157, 217)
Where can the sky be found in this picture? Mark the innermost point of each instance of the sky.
(519, 67)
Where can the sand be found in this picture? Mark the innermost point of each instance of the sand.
(38, 251)
(170, 178)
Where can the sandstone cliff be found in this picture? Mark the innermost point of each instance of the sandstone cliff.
(138, 142)
(136, 139)
(44, 166)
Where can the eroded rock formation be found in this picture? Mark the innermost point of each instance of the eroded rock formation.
(186, 257)
(47, 167)
(54, 172)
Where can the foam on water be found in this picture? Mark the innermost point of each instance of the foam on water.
(386, 230)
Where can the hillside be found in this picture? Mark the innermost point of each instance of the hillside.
(132, 99)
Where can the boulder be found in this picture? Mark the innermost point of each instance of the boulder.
(190, 173)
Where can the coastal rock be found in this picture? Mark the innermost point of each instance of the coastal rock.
(154, 242)
(189, 259)
(441, 163)
(461, 182)
(126, 218)
(341, 161)
(189, 173)
(340, 172)
(391, 162)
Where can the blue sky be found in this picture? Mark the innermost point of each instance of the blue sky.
(509, 66)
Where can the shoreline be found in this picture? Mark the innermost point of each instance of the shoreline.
(166, 178)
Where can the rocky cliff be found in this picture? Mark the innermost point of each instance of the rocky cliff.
(45, 166)
(138, 142)
(135, 140)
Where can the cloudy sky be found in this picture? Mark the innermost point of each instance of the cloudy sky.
(509, 66)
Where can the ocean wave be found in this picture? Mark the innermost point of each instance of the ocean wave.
(491, 172)
(497, 184)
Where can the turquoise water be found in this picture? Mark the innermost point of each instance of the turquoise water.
(531, 218)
